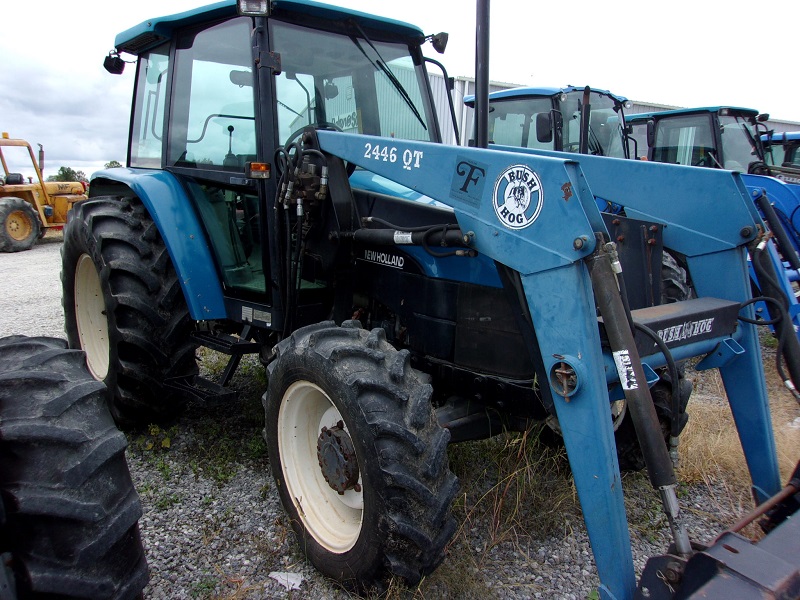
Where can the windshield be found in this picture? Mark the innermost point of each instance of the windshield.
(513, 122)
(606, 136)
(527, 122)
(738, 142)
(350, 83)
(685, 140)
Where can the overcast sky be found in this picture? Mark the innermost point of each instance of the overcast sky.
(54, 91)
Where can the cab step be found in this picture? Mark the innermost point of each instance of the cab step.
(199, 388)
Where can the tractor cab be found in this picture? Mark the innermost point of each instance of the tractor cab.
(221, 92)
(568, 119)
(782, 154)
(720, 137)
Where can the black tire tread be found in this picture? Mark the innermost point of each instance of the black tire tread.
(11, 204)
(149, 322)
(410, 450)
(71, 510)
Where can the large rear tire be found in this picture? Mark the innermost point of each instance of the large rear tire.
(69, 520)
(358, 456)
(19, 225)
(124, 307)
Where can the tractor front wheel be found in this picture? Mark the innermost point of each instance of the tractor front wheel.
(68, 508)
(19, 225)
(124, 307)
(358, 456)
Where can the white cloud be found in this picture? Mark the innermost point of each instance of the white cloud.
(56, 93)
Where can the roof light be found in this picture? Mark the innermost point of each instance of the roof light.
(253, 8)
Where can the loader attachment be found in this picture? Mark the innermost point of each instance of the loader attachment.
(537, 216)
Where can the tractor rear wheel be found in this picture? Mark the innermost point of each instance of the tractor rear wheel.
(19, 225)
(124, 307)
(69, 511)
(358, 456)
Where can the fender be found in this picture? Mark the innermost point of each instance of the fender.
(171, 210)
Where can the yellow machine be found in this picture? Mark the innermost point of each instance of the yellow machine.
(28, 206)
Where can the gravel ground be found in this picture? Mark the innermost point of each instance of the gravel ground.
(213, 526)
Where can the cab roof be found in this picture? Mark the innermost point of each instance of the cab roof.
(781, 136)
(524, 92)
(153, 32)
(638, 117)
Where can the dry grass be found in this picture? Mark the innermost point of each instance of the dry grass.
(710, 450)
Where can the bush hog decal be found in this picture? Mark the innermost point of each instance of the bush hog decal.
(518, 197)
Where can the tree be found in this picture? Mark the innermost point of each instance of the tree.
(112, 164)
(68, 174)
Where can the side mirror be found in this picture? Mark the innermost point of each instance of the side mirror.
(544, 128)
(651, 133)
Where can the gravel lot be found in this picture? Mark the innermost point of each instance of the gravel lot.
(213, 526)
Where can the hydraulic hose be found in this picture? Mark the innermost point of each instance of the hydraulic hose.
(788, 343)
(604, 270)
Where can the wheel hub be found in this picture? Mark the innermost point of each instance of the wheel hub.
(337, 459)
(17, 226)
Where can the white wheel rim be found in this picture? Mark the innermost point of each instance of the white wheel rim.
(90, 317)
(333, 520)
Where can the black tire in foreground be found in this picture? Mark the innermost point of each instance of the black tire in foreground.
(124, 307)
(19, 225)
(69, 520)
(358, 456)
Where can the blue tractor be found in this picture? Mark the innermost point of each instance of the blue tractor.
(286, 194)
(725, 137)
(782, 155)
(551, 118)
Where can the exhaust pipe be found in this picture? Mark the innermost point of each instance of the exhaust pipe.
(482, 74)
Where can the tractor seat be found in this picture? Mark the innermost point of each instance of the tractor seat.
(15, 179)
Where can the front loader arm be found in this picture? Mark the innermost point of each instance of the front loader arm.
(538, 216)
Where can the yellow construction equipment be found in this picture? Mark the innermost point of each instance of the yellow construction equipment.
(28, 206)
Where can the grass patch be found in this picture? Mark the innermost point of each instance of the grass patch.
(710, 450)
(515, 483)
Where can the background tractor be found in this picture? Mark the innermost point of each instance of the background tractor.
(725, 137)
(29, 208)
(782, 155)
(286, 194)
(568, 119)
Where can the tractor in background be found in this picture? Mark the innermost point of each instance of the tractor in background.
(782, 155)
(546, 118)
(287, 194)
(730, 138)
(29, 208)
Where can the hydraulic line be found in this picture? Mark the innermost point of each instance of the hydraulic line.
(604, 269)
(789, 345)
(785, 246)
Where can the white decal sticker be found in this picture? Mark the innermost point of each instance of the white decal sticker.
(263, 316)
(518, 197)
(684, 331)
(625, 370)
(402, 237)
(411, 159)
(382, 153)
(384, 258)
